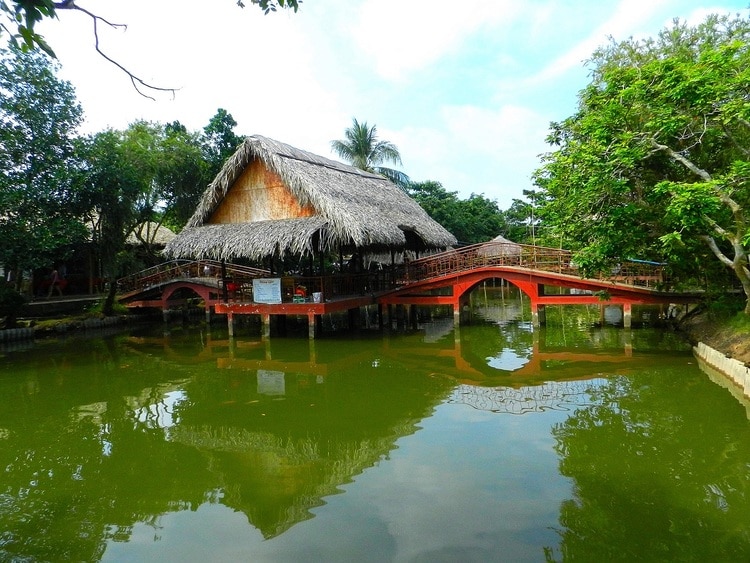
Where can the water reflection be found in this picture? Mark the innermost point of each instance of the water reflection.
(107, 443)
(663, 479)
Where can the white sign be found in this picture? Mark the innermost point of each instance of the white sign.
(267, 290)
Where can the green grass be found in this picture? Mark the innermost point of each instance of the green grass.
(740, 323)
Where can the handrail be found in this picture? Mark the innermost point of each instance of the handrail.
(173, 269)
(450, 262)
(509, 254)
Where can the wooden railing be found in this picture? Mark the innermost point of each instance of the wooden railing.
(494, 254)
(175, 269)
(485, 255)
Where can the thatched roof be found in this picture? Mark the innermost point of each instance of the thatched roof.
(500, 246)
(352, 209)
(150, 232)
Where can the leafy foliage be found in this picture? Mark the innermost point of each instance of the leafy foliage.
(24, 15)
(363, 150)
(219, 141)
(11, 302)
(476, 219)
(40, 169)
(654, 163)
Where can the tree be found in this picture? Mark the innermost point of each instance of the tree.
(115, 188)
(522, 220)
(656, 162)
(219, 140)
(363, 150)
(473, 220)
(40, 179)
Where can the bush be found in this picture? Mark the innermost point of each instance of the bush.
(10, 304)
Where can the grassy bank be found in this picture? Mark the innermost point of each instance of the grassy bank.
(729, 334)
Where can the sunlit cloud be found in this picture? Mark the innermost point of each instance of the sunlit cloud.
(401, 37)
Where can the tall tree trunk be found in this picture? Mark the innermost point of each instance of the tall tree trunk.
(108, 308)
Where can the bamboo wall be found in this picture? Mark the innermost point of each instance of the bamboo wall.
(258, 195)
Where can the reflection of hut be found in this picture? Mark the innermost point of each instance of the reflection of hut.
(273, 200)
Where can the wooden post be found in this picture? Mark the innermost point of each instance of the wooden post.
(313, 352)
(353, 315)
(225, 292)
(628, 337)
(311, 326)
(413, 319)
(537, 315)
(266, 322)
(230, 324)
(627, 315)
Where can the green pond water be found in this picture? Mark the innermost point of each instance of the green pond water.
(494, 442)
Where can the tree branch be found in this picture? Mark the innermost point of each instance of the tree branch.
(723, 258)
(681, 159)
(705, 176)
(137, 82)
(732, 138)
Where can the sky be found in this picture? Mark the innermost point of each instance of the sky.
(465, 90)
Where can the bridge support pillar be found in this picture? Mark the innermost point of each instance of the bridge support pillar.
(353, 318)
(230, 324)
(538, 315)
(456, 314)
(208, 313)
(627, 315)
(311, 324)
(265, 320)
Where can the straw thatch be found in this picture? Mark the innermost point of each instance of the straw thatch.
(500, 246)
(352, 209)
(150, 232)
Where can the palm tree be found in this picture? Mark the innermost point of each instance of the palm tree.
(363, 150)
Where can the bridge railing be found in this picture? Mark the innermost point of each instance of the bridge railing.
(175, 269)
(494, 254)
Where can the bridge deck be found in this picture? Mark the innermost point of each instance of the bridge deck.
(439, 279)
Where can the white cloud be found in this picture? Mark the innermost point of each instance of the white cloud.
(485, 78)
(623, 22)
(477, 150)
(401, 37)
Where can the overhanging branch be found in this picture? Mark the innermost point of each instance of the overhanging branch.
(138, 83)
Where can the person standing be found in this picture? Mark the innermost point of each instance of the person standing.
(54, 283)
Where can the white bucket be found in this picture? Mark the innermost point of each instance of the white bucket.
(317, 297)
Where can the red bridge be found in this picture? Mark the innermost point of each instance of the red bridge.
(441, 279)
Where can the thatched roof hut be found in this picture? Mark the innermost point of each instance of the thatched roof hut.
(150, 232)
(500, 246)
(271, 199)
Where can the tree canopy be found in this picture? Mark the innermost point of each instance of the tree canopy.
(655, 163)
(40, 172)
(476, 219)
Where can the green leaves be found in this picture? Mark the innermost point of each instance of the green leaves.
(40, 172)
(476, 219)
(363, 150)
(656, 160)
(25, 14)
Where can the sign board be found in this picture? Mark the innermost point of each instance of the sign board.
(267, 290)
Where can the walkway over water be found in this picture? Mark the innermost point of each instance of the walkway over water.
(446, 278)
